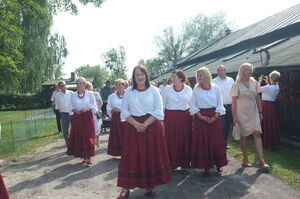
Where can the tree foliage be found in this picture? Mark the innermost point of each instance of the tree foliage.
(195, 34)
(114, 60)
(97, 74)
(155, 66)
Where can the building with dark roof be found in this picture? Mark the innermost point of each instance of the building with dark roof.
(272, 43)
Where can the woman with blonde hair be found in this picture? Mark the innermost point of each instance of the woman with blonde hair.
(247, 112)
(270, 136)
(116, 134)
(82, 137)
(208, 146)
(97, 115)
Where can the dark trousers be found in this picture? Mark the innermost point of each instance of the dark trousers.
(226, 122)
(58, 124)
(103, 108)
(65, 120)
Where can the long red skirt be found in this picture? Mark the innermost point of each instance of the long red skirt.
(208, 147)
(3, 191)
(270, 133)
(116, 136)
(178, 125)
(82, 136)
(144, 162)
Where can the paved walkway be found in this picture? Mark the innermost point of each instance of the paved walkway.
(52, 174)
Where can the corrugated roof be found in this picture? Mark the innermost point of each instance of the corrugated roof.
(237, 47)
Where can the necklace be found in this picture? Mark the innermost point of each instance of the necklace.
(80, 96)
(120, 96)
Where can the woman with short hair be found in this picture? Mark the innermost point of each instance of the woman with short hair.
(116, 134)
(208, 146)
(178, 122)
(270, 130)
(247, 112)
(82, 136)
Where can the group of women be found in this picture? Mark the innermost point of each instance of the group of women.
(156, 133)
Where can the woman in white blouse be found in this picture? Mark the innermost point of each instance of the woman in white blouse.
(270, 133)
(144, 161)
(177, 122)
(116, 135)
(208, 146)
(82, 136)
(97, 115)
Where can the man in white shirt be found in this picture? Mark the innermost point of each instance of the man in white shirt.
(163, 85)
(225, 83)
(63, 100)
(55, 108)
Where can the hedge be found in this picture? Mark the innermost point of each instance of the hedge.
(10, 102)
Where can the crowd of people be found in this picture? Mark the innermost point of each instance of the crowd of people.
(156, 130)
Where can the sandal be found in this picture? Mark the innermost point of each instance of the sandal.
(124, 194)
(220, 170)
(248, 164)
(263, 165)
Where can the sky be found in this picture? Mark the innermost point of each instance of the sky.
(135, 23)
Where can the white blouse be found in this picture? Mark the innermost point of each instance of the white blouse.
(114, 101)
(87, 101)
(270, 92)
(177, 100)
(139, 103)
(203, 99)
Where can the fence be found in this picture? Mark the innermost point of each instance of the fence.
(15, 133)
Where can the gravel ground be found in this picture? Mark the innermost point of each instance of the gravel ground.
(50, 173)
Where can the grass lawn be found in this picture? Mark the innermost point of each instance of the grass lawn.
(45, 134)
(285, 163)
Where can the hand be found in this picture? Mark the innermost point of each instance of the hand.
(235, 121)
(163, 127)
(76, 111)
(212, 120)
(85, 110)
(115, 110)
(139, 127)
(204, 118)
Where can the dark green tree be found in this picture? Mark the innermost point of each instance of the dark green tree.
(155, 66)
(97, 74)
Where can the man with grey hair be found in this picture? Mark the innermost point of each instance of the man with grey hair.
(225, 83)
(63, 100)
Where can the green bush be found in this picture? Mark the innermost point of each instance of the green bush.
(10, 102)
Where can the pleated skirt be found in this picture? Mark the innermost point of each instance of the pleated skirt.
(3, 191)
(116, 136)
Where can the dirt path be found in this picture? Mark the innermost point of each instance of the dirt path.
(50, 173)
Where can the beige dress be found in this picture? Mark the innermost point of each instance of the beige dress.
(246, 110)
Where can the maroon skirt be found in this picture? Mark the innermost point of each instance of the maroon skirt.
(82, 136)
(270, 133)
(208, 147)
(178, 126)
(116, 136)
(144, 162)
(3, 191)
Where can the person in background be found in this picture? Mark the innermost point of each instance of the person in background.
(153, 83)
(144, 162)
(177, 124)
(82, 137)
(62, 101)
(116, 134)
(55, 108)
(163, 85)
(225, 83)
(113, 89)
(126, 84)
(208, 146)
(104, 93)
(97, 115)
(247, 112)
(270, 130)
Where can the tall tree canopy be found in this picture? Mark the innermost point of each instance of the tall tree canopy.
(29, 53)
(155, 66)
(97, 74)
(194, 35)
(114, 60)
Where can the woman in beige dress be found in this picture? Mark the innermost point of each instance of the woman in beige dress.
(247, 112)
